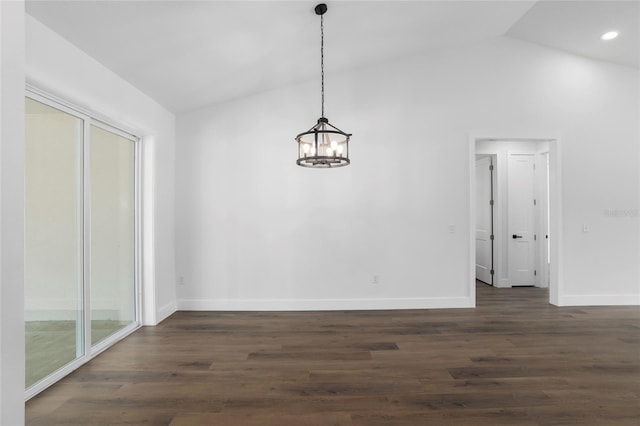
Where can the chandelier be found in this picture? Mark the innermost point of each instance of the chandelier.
(323, 145)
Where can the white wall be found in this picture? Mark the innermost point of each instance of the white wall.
(55, 65)
(254, 231)
(11, 213)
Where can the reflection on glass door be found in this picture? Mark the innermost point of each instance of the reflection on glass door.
(80, 239)
(53, 240)
(112, 233)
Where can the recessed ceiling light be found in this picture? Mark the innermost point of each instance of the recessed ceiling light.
(609, 35)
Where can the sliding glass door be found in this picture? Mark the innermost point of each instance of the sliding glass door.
(112, 244)
(53, 240)
(80, 239)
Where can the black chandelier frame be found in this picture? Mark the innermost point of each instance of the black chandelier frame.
(323, 145)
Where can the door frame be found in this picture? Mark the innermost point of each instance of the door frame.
(544, 251)
(90, 118)
(555, 207)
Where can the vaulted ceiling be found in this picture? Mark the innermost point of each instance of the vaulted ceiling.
(188, 54)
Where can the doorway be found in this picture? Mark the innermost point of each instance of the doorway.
(515, 213)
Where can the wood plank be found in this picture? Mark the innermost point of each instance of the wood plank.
(315, 419)
(514, 360)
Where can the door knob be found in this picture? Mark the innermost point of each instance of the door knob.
(514, 236)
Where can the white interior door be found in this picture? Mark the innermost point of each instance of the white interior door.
(483, 220)
(520, 219)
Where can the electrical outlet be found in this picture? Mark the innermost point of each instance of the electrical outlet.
(452, 229)
(181, 281)
(376, 279)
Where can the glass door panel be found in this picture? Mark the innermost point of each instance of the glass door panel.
(80, 239)
(53, 240)
(112, 240)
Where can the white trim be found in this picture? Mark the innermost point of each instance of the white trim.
(324, 304)
(471, 252)
(543, 195)
(600, 300)
(54, 378)
(76, 109)
(111, 129)
(86, 239)
(137, 217)
(148, 247)
(112, 339)
(503, 283)
(556, 273)
(165, 312)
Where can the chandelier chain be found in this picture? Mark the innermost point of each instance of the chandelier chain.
(322, 60)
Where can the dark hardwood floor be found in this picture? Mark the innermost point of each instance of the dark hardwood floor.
(514, 360)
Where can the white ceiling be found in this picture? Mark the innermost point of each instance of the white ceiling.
(576, 27)
(188, 54)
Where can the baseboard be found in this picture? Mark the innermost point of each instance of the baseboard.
(323, 304)
(503, 283)
(600, 300)
(165, 312)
